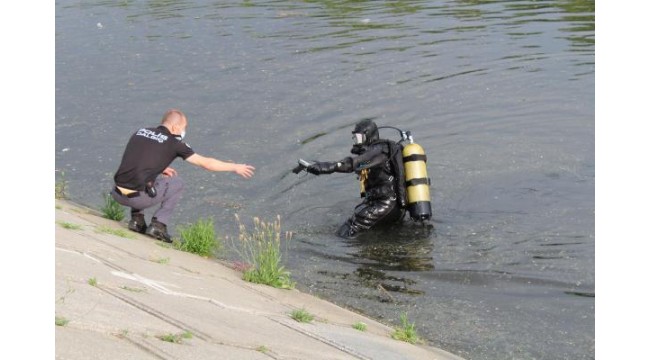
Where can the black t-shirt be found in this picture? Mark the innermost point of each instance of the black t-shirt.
(147, 154)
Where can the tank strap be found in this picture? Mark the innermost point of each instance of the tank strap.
(419, 181)
(415, 157)
(396, 160)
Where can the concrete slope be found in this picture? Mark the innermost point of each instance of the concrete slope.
(133, 298)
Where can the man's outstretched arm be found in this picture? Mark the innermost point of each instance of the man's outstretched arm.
(212, 164)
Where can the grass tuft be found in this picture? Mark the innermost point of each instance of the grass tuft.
(60, 187)
(261, 248)
(199, 238)
(70, 226)
(360, 326)
(112, 209)
(92, 281)
(164, 260)
(175, 338)
(117, 232)
(301, 315)
(407, 331)
(60, 321)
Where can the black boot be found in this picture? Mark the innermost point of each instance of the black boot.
(158, 230)
(348, 231)
(137, 223)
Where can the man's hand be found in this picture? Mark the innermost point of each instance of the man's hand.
(314, 168)
(169, 172)
(245, 171)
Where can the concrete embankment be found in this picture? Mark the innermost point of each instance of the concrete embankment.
(131, 298)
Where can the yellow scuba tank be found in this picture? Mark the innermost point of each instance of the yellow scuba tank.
(417, 181)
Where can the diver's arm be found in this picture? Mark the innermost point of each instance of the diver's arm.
(324, 167)
(373, 157)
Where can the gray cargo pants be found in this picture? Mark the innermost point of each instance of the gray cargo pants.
(169, 190)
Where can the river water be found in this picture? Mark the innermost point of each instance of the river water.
(500, 94)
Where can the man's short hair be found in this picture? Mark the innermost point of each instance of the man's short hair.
(172, 116)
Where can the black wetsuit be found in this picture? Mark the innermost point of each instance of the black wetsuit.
(383, 201)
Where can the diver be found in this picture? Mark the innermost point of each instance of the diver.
(379, 165)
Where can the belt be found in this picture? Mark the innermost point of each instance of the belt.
(129, 195)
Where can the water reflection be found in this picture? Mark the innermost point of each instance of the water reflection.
(397, 248)
(384, 251)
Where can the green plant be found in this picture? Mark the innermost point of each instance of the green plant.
(60, 321)
(199, 238)
(67, 225)
(117, 232)
(59, 187)
(172, 338)
(112, 209)
(261, 248)
(263, 349)
(92, 281)
(407, 331)
(301, 315)
(175, 338)
(161, 260)
(360, 326)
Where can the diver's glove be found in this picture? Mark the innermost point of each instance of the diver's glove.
(318, 168)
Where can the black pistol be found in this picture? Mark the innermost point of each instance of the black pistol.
(302, 165)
